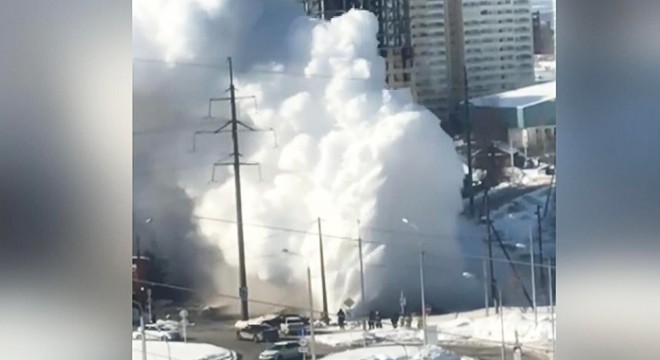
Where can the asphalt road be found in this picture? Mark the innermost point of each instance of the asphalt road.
(224, 335)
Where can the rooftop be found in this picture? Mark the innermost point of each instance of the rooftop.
(518, 98)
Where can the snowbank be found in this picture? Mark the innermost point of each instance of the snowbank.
(470, 327)
(159, 350)
(396, 352)
(254, 321)
(435, 353)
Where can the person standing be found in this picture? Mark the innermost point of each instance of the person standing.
(341, 318)
(395, 320)
(372, 317)
(378, 320)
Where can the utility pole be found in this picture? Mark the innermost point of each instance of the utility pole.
(239, 204)
(538, 223)
(468, 138)
(236, 164)
(326, 317)
(491, 275)
(137, 244)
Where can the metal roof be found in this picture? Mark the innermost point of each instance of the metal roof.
(519, 98)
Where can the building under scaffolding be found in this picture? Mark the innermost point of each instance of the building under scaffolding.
(393, 31)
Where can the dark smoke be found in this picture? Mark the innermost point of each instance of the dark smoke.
(184, 256)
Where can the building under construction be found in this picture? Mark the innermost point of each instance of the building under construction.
(393, 31)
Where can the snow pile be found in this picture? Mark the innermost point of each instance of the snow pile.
(396, 352)
(168, 324)
(358, 336)
(489, 329)
(254, 321)
(433, 352)
(347, 149)
(470, 327)
(158, 350)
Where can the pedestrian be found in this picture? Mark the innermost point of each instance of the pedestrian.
(378, 321)
(409, 321)
(372, 318)
(395, 320)
(341, 318)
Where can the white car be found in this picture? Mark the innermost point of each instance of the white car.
(293, 325)
(157, 332)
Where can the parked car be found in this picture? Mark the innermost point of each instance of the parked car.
(157, 332)
(294, 325)
(277, 320)
(287, 350)
(258, 333)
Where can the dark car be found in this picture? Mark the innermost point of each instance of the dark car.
(258, 333)
(288, 350)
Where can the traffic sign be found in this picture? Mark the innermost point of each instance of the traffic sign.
(349, 302)
(242, 293)
(303, 350)
(303, 342)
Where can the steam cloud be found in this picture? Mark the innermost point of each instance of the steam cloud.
(346, 150)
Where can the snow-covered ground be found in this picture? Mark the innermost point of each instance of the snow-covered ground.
(159, 350)
(396, 352)
(462, 328)
(516, 220)
(518, 178)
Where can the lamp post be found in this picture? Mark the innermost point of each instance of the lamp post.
(364, 300)
(533, 274)
(311, 301)
(142, 334)
(421, 278)
(149, 300)
(469, 275)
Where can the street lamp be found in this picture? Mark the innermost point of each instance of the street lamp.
(469, 275)
(149, 300)
(421, 278)
(533, 275)
(364, 300)
(142, 334)
(311, 301)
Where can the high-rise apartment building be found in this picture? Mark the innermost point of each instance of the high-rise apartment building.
(393, 31)
(427, 45)
(430, 73)
(498, 48)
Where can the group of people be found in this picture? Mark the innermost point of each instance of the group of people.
(375, 320)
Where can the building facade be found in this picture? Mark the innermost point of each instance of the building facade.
(429, 39)
(498, 45)
(524, 118)
(393, 32)
(429, 44)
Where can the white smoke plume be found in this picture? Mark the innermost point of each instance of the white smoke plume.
(347, 150)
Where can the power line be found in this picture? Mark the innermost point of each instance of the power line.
(354, 240)
(253, 71)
